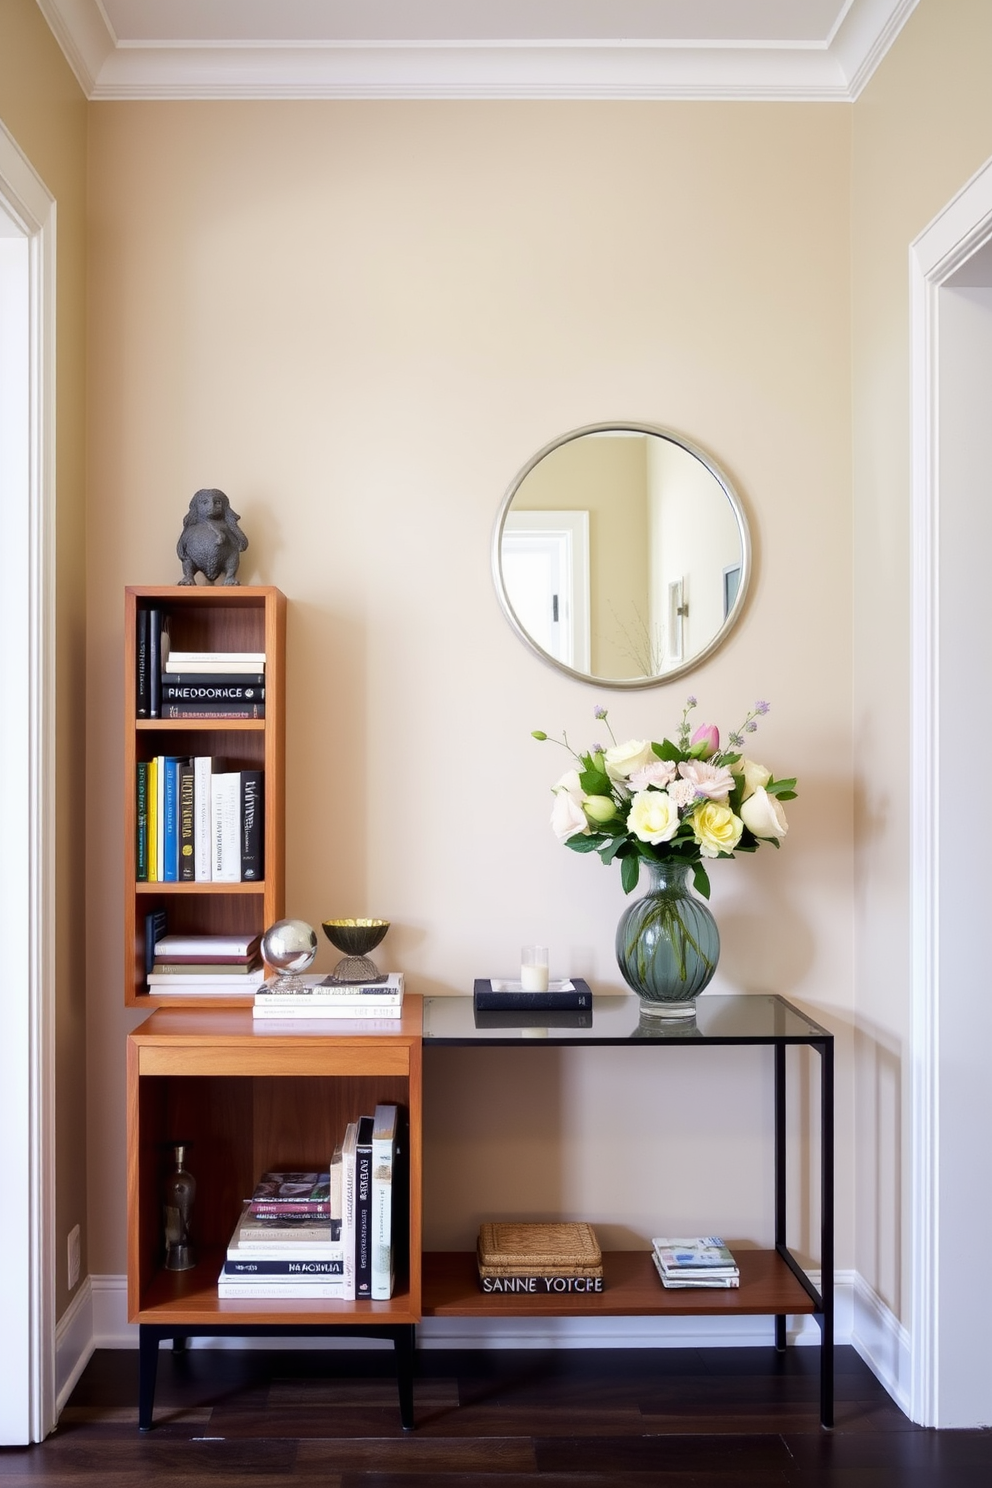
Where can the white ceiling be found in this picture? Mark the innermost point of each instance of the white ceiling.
(760, 49)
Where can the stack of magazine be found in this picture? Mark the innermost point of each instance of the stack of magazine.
(701, 1261)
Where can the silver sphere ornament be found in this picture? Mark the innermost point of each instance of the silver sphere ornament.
(290, 946)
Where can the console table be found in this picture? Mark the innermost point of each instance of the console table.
(772, 1281)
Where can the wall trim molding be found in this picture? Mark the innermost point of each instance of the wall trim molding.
(835, 69)
(882, 1342)
(28, 1066)
(962, 227)
(73, 1343)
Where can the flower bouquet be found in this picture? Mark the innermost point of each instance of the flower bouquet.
(673, 806)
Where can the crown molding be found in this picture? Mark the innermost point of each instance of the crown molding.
(832, 71)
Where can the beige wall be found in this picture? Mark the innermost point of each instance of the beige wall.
(42, 107)
(360, 320)
(921, 129)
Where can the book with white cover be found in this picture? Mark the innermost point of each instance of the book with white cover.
(348, 1208)
(358, 994)
(384, 1131)
(223, 981)
(205, 946)
(288, 1010)
(699, 1252)
(225, 827)
(279, 1238)
(179, 661)
(279, 1291)
(203, 768)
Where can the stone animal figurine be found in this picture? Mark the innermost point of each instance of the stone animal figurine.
(211, 541)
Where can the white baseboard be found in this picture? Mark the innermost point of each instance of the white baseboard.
(882, 1342)
(74, 1343)
(112, 1330)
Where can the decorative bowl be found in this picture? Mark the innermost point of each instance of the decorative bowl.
(356, 938)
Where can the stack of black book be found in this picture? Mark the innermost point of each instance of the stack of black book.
(193, 684)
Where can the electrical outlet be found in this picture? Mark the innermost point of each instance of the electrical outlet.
(74, 1248)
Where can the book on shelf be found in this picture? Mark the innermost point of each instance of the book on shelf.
(292, 1191)
(216, 967)
(158, 645)
(225, 827)
(155, 926)
(205, 981)
(186, 790)
(219, 661)
(348, 1206)
(677, 1282)
(142, 684)
(141, 821)
(363, 1207)
(214, 679)
(210, 692)
(169, 766)
(203, 767)
(216, 710)
(389, 988)
(252, 804)
(286, 1268)
(511, 1251)
(321, 998)
(336, 1192)
(207, 947)
(267, 1288)
(496, 995)
(698, 1252)
(284, 1234)
(384, 1134)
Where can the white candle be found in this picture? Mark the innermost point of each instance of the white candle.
(534, 968)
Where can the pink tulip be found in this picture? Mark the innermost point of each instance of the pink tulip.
(705, 741)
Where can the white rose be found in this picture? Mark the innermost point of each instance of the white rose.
(624, 760)
(763, 815)
(755, 777)
(653, 817)
(567, 816)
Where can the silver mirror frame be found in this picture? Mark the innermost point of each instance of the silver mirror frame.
(662, 678)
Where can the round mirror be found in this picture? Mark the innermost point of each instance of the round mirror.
(621, 555)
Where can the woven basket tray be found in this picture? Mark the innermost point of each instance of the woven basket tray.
(509, 1247)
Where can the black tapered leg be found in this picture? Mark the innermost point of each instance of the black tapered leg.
(827, 1231)
(780, 1173)
(148, 1339)
(405, 1344)
(179, 1343)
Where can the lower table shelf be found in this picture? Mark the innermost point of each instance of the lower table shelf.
(631, 1289)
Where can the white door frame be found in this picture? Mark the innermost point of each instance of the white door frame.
(961, 228)
(27, 863)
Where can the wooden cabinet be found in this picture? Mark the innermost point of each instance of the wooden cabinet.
(206, 619)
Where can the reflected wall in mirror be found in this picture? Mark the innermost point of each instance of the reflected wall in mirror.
(621, 554)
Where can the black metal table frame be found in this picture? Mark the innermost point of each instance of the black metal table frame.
(150, 1335)
(822, 1042)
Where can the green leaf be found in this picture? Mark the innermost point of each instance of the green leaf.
(666, 750)
(613, 849)
(701, 880)
(629, 873)
(595, 783)
(779, 787)
(582, 844)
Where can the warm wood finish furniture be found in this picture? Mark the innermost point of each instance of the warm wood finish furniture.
(772, 1282)
(247, 1097)
(229, 618)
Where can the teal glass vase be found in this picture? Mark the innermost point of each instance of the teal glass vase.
(668, 944)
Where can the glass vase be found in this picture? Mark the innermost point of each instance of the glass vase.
(668, 944)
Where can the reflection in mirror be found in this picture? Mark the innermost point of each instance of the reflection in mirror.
(621, 554)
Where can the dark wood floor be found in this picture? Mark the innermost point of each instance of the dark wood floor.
(677, 1418)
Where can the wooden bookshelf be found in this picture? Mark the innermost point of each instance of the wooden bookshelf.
(228, 618)
(246, 1098)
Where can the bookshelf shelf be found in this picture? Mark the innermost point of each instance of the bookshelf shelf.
(229, 618)
(246, 1099)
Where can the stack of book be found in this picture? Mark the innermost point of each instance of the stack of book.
(197, 822)
(287, 1242)
(193, 684)
(539, 1258)
(369, 1156)
(701, 1261)
(208, 964)
(329, 1001)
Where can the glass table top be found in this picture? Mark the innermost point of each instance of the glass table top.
(757, 1018)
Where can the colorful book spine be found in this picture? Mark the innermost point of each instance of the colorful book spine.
(203, 767)
(212, 710)
(141, 822)
(256, 1266)
(170, 806)
(187, 822)
(153, 820)
(210, 692)
(383, 1149)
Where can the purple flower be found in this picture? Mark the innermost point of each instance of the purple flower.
(599, 711)
(751, 727)
(761, 708)
(690, 701)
